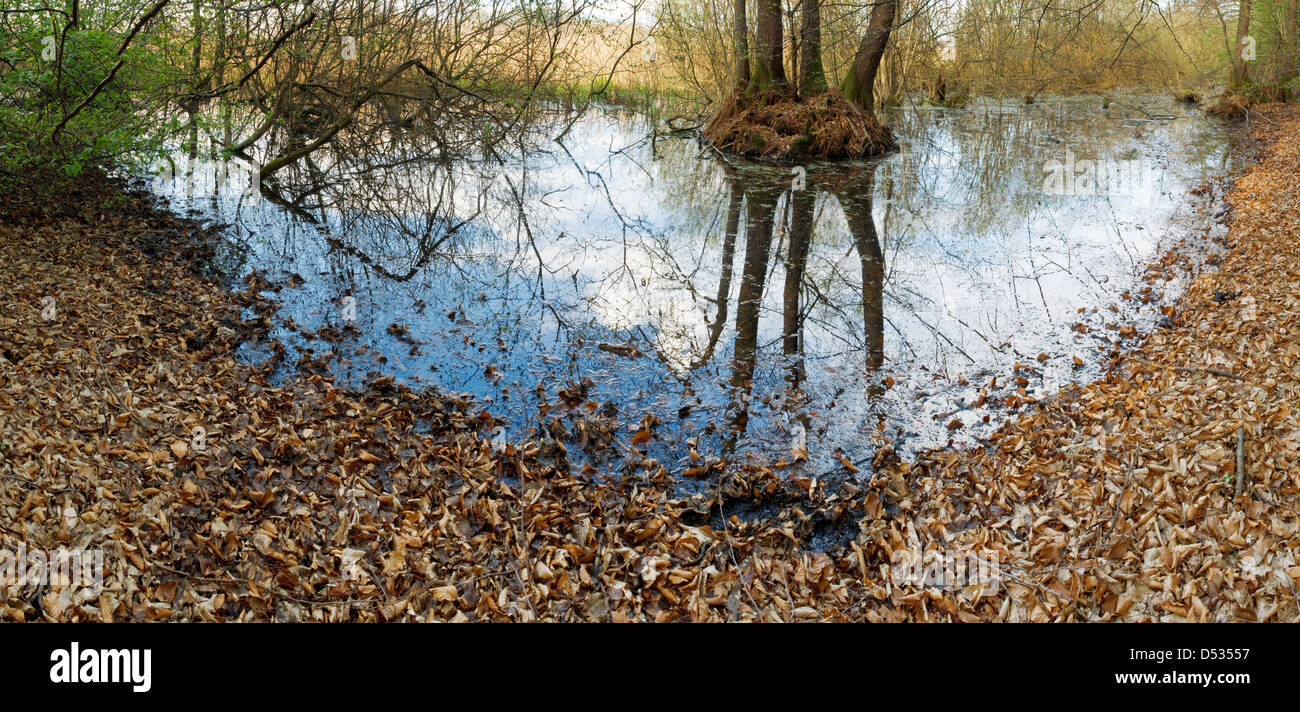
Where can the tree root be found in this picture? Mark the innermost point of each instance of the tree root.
(780, 126)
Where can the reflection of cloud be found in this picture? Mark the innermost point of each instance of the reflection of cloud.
(622, 247)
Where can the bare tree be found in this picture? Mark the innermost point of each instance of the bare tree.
(1240, 74)
(742, 45)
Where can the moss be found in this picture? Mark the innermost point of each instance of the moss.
(849, 87)
(814, 79)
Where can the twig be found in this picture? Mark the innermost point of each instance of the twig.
(33, 483)
(1193, 369)
(788, 597)
(731, 547)
(1119, 499)
(1241, 459)
(348, 602)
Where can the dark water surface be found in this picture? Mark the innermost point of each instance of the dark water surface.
(608, 282)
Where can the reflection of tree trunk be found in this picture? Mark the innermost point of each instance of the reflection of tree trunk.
(856, 201)
(812, 79)
(800, 234)
(741, 30)
(760, 216)
(760, 213)
(728, 257)
(861, 77)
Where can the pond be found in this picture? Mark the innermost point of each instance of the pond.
(618, 295)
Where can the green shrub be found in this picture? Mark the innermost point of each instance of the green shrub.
(55, 118)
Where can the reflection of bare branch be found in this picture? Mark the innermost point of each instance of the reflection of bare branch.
(724, 281)
(328, 134)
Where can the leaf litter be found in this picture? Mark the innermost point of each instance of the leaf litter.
(1165, 491)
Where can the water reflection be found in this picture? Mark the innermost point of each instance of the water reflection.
(762, 192)
(589, 289)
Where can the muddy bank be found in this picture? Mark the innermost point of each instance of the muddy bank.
(303, 501)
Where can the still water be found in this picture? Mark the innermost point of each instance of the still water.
(611, 281)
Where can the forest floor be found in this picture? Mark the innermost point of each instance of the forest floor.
(126, 426)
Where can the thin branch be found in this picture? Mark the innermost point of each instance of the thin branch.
(103, 83)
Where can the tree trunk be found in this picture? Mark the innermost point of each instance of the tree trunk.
(895, 75)
(227, 127)
(768, 71)
(858, 82)
(742, 46)
(1239, 72)
(1292, 53)
(196, 65)
(812, 80)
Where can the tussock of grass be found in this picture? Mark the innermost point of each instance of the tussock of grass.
(780, 126)
(1230, 107)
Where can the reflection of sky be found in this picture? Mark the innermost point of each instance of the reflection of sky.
(983, 270)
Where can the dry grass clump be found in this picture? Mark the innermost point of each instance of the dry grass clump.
(1230, 107)
(782, 126)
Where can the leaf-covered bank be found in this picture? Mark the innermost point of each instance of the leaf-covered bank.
(127, 426)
